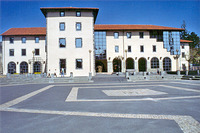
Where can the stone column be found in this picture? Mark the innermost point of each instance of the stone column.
(136, 66)
(110, 66)
(148, 65)
(161, 65)
(17, 68)
(123, 66)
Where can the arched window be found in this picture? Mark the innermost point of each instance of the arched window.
(117, 65)
(129, 63)
(37, 67)
(154, 62)
(23, 67)
(167, 64)
(11, 67)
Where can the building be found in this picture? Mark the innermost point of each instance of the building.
(76, 44)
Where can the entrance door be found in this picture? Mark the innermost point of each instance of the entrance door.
(117, 65)
(142, 65)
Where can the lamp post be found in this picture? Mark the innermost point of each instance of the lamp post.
(33, 59)
(125, 59)
(90, 51)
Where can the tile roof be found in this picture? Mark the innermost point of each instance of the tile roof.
(25, 31)
(185, 41)
(134, 27)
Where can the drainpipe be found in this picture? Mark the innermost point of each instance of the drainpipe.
(123, 52)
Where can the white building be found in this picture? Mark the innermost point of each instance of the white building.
(75, 43)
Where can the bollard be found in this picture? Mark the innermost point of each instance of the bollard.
(127, 74)
(71, 75)
(186, 73)
(178, 72)
(90, 76)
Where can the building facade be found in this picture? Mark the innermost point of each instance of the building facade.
(71, 41)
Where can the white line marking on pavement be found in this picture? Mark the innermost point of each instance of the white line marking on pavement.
(129, 100)
(180, 88)
(187, 123)
(22, 98)
(73, 94)
(186, 83)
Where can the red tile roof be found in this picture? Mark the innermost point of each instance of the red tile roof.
(186, 41)
(25, 31)
(134, 27)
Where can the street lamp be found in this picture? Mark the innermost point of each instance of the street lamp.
(90, 51)
(125, 59)
(33, 59)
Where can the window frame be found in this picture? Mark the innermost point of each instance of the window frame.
(81, 42)
(10, 52)
(129, 50)
(127, 35)
(22, 52)
(141, 34)
(59, 42)
(62, 12)
(65, 69)
(23, 40)
(142, 48)
(60, 26)
(80, 26)
(154, 50)
(116, 46)
(117, 35)
(77, 14)
(154, 63)
(38, 40)
(38, 52)
(81, 63)
(12, 40)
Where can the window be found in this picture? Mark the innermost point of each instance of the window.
(78, 26)
(183, 47)
(116, 49)
(183, 54)
(129, 48)
(100, 44)
(78, 42)
(23, 67)
(128, 34)
(154, 48)
(11, 67)
(23, 52)
(141, 34)
(37, 51)
(23, 39)
(141, 48)
(79, 63)
(37, 39)
(37, 67)
(62, 65)
(116, 35)
(62, 26)
(11, 39)
(62, 42)
(78, 13)
(154, 63)
(11, 52)
(62, 14)
(166, 64)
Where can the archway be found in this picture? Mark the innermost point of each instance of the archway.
(117, 65)
(11, 67)
(129, 63)
(37, 67)
(23, 67)
(167, 64)
(142, 65)
(101, 65)
(154, 62)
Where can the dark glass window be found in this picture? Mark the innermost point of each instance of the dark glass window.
(129, 48)
(128, 34)
(183, 54)
(116, 35)
(62, 65)
(62, 42)
(154, 48)
(23, 39)
(11, 39)
(78, 26)
(141, 48)
(23, 67)
(141, 34)
(37, 39)
(62, 26)
(23, 52)
(11, 67)
(37, 66)
(79, 63)
(166, 64)
(11, 52)
(62, 13)
(37, 51)
(154, 63)
(78, 13)
(116, 49)
(78, 42)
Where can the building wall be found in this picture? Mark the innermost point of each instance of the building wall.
(184, 60)
(135, 42)
(70, 52)
(30, 45)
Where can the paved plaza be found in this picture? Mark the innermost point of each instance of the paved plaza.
(110, 104)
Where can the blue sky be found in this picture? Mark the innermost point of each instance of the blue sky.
(165, 13)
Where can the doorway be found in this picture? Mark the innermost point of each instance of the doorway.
(142, 65)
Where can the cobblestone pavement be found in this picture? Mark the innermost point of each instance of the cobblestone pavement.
(102, 107)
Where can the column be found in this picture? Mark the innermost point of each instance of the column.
(123, 66)
(160, 65)
(148, 66)
(136, 65)
(110, 66)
